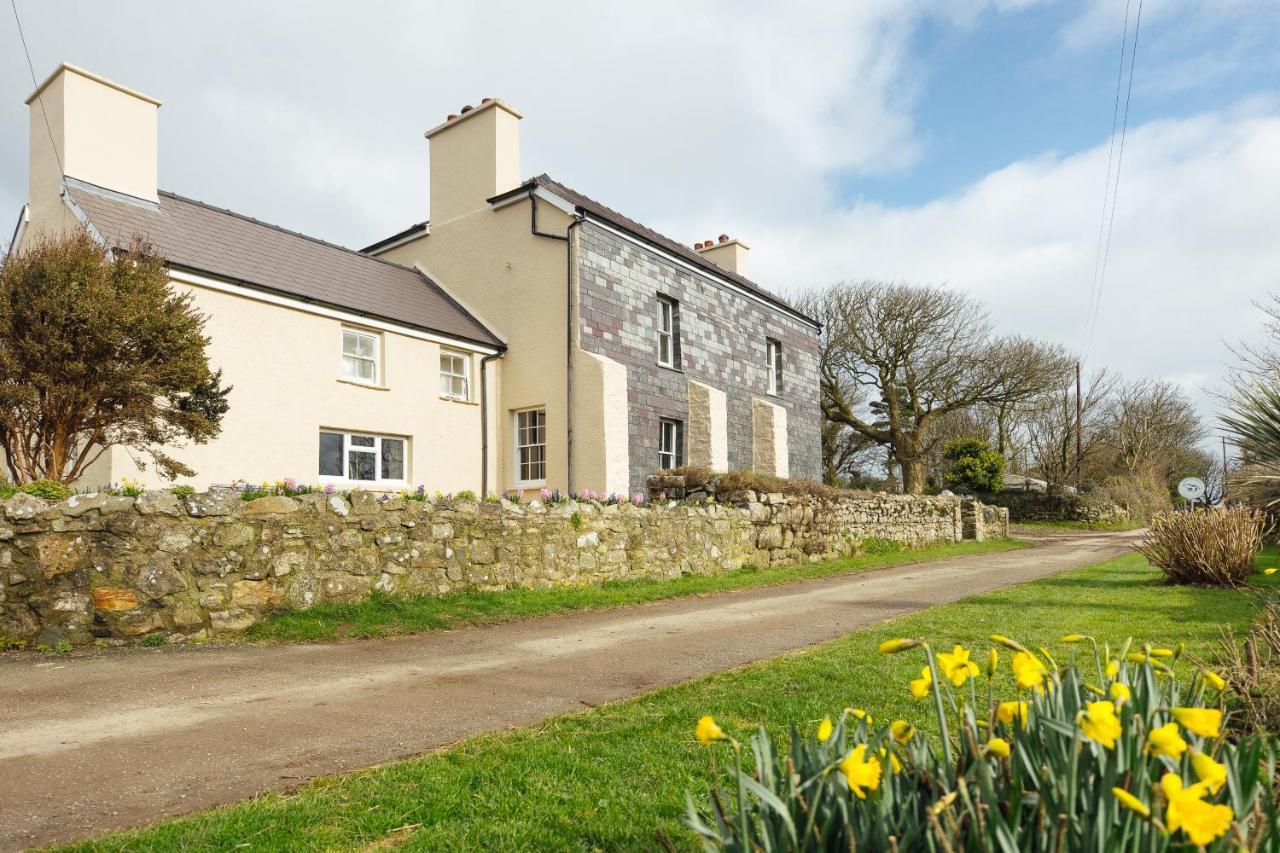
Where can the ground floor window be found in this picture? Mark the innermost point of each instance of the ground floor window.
(361, 457)
(670, 443)
(531, 446)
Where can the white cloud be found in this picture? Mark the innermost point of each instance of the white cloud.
(1194, 243)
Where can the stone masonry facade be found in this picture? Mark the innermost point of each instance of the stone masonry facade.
(111, 568)
(722, 344)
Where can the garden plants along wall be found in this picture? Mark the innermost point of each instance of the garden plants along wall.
(117, 566)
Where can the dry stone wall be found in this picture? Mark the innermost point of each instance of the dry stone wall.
(211, 564)
(1038, 506)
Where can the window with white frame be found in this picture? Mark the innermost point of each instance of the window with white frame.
(360, 457)
(531, 446)
(773, 365)
(668, 332)
(360, 356)
(670, 443)
(455, 375)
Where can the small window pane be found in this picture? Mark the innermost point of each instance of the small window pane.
(361, 465)
(392, 459)
(331, 454)
(363, 441)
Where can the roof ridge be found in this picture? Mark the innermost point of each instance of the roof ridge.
(281, 229)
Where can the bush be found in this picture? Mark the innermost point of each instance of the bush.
(974, 465)
(1136, 762)
(875, 547)
(1209, 548)
(50, 490)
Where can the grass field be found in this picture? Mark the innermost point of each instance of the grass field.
(385, 615)
(615, 777)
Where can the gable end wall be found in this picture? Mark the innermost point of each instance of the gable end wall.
(722, 334)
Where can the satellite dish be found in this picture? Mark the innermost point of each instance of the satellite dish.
(1191, 488)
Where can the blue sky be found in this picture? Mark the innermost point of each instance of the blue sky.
(961, 142)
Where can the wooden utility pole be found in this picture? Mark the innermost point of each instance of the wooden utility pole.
(1079, 442)
(1223, 498)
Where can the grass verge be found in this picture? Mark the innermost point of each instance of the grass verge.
(615, 777)
(384, 615)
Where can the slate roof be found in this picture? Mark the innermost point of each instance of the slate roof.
(203, 238)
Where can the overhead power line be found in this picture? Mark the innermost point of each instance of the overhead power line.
(35, 84)
(1096, 308)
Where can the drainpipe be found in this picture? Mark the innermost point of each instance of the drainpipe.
(484, 424)
(567, 237)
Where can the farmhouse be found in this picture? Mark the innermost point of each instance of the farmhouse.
(526, 336)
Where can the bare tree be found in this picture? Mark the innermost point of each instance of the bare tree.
(921, 353)
(1050, 427)
(845, 454)
(1153, 428)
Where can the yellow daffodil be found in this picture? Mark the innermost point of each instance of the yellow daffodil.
(889, 647)
(825, 729)
(1270, 571)
(1028, 671)
(892, 759)
(1096, 691)
(956, 666)
(1166, 741)
(1099, 723)
(1137, 657)
(1112, 668)
(1212, 774)
(921, 686)
(993, 662)
(860, 771)
(859, 714)
(1120, 692)
(1074, 638)
(1007, 712)
(1130, 802)
(1206, 722)
(1008, 643)
(1161, 653)
(1186, 810)
(998, 746)
(902, 730)
(1213, 679)
(708, 731)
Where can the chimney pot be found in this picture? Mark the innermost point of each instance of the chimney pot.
(724, 238)
(486, 100)
(466, 109)
(451, 116)
(697, 246)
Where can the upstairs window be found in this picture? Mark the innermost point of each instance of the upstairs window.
(668, 332)
(360, 355)
(773, 366)
(455, 375)
(531, 447)
(362, 458)
(670, 443)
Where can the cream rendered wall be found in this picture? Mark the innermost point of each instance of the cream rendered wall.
(515, 283)
(601, 449)
(707, 442)
(769, 448)
(284, 366)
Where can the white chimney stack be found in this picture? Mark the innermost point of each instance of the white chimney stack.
(727, 253)
(101, 133)
(475, 155)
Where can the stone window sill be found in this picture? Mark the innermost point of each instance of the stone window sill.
(669, 367)
(364, 385)
(458, 400)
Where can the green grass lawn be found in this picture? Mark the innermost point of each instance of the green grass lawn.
(614, 777)
(385, 615)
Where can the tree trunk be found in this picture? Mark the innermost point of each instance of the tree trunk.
(914, 478)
